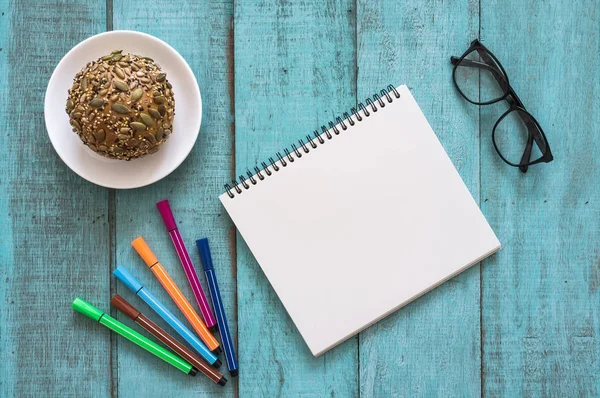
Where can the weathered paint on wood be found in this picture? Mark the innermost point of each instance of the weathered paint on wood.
(6, 238)
(431, 347)
(202, 33)
(54, 242)
(541, 318)
(525, 325)
(294, 69)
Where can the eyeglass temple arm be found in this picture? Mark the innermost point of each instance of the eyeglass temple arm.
(476, 64)
(532, 130)
(527, 153)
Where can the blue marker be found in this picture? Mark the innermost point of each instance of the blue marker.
(213, 287)
(128, 280)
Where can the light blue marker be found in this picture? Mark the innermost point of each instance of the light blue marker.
(128, 280)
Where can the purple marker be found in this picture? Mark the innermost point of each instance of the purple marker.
(186, 263)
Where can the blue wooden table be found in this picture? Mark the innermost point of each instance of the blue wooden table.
(526, 322)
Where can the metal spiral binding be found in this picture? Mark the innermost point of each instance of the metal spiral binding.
(297, 151)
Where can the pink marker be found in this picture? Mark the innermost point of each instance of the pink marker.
(186, 263)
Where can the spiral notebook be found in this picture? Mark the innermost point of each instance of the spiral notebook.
(351, 224)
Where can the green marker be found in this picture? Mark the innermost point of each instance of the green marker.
(94, 313)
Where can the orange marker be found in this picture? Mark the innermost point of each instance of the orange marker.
(168, 283)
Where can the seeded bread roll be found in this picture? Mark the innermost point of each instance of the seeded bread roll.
(121, 106)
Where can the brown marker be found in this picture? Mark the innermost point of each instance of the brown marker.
(122, 305)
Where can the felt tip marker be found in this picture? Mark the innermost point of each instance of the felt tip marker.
(168, 283)
(167, 215)
(122, 305)
(104, 319)
(128, 280)
(215, 294)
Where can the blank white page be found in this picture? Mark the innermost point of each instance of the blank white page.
(362, 225)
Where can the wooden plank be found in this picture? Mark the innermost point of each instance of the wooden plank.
(295, 70)
(541, 301)
(54, 244)
(6, 238)
(432, 346)
(202, 33)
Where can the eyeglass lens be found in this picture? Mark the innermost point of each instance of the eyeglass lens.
(480, 78)
(511, 136)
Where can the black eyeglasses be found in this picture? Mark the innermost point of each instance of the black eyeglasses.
(480, 79)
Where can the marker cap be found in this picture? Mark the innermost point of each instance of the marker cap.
(204, 253)
(167, 215)
(119, 303)
(128, 280)
(142, 248)
(87, 309)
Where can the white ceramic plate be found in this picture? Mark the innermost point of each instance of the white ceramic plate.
(122, 174)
